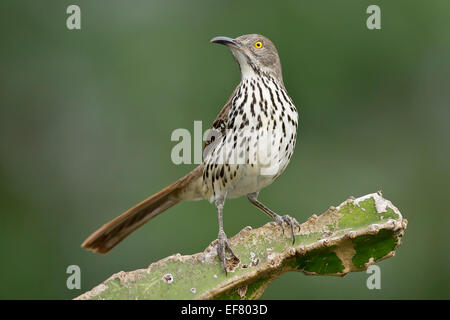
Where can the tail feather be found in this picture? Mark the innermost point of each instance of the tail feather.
(112, 233)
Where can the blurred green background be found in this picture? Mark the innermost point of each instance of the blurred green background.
(86, 118)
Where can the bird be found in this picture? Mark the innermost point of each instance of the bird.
(248, 147)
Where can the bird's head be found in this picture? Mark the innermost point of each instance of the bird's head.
(255, 54)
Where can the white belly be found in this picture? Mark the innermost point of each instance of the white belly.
(257, 146)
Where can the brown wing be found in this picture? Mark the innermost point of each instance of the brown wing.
(218, 126)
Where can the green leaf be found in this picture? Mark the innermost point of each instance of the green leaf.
(350, 237)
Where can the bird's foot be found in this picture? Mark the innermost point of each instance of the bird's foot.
(280, 220)
(228, 264)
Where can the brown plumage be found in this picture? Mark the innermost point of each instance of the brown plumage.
(187, 188)
(112, 233)
(258, 113)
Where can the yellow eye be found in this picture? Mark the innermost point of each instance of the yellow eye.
(258, 45)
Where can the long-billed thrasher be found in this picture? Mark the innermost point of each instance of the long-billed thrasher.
(249, 145)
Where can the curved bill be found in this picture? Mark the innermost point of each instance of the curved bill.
(225, 41)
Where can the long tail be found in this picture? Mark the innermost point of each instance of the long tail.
(110, 234)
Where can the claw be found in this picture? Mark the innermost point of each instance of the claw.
(280, 220)
(222, 245)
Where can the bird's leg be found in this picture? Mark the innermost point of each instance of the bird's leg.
(278, 219)
(223, 240)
